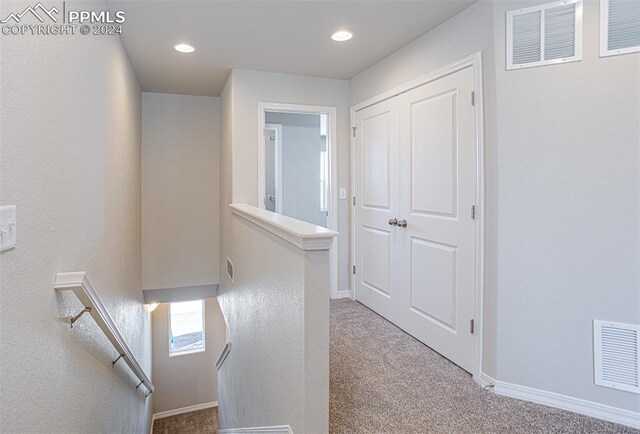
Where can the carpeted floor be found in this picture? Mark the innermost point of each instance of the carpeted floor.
(385, 381)
(196, 422)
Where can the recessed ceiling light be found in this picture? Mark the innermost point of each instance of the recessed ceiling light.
(184, 48)
(341, 36)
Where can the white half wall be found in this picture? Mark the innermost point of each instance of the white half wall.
(277, 312)
(180, 190)
(70, 161)
(189, 379)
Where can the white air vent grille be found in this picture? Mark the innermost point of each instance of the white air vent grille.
(617, 355)
(527, 43)
(619, 27)
(545, 34)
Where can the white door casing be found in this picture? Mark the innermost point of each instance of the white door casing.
(332, 190)
(427, 277)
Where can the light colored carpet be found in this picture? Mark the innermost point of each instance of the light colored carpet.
(196, 422)
(385, 381)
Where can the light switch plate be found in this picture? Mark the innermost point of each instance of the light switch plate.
(343, 193)
(8, 228)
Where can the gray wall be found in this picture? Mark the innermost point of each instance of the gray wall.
(187, 379)
(71, 159)
(562, 179)
(180, 175)
(569, 194)
(301, 143)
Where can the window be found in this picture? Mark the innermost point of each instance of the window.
(186, 327)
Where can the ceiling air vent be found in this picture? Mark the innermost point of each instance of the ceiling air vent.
(619, 27)
(544, 34)
(617, 355)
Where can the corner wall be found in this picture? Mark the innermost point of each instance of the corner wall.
(252, 87)
(188, 379)
(70, 161)
(562, 189)
(180, 204)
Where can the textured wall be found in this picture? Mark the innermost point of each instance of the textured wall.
(180, 175)
(188, 379)
(277, 310)
(70, 160)
(569, 211)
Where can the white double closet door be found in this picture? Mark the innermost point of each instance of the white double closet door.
(415, 162)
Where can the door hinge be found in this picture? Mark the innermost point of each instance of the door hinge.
(354, 201)
(354, 269)
(473, 212)
(473, 98)
(471, 326)
(354, 131)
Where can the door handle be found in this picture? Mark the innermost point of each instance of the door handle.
(271, 197)
(402, 223)
(393, 222)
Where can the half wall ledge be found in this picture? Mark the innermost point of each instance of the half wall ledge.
(305, 236)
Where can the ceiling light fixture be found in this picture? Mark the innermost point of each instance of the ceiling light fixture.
(342, 36)
(184, 48)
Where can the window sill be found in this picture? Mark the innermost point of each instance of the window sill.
(184, 353)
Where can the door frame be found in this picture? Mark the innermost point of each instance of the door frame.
(332, 188)
(278, 163)
(474, 61)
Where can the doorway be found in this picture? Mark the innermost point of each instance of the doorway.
(296, 169)
(417, 231)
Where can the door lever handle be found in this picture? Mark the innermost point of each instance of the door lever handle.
(402, 223)
(393, 222)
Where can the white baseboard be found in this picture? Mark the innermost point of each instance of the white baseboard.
(344, 293)
(182, 410)
(486, 381)
(282, 429)
(569, 403)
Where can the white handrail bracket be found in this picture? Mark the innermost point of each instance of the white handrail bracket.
(82, 288)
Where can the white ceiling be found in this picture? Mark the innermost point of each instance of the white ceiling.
(279, 36)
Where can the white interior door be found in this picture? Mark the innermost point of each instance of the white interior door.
(377, 201)
(420, 274)
(437, 254)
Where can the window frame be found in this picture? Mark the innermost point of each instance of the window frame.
(190, 351)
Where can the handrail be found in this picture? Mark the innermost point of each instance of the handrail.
(82, 288)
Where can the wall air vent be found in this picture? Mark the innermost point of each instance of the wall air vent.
(545, 34)
(616, 349)
(619, 27)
